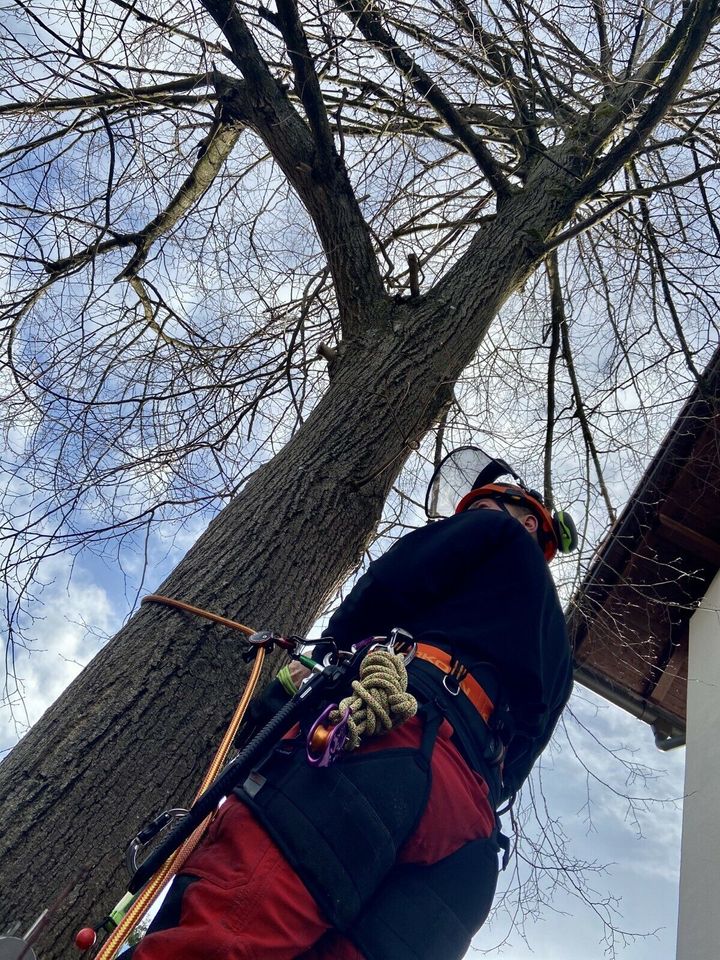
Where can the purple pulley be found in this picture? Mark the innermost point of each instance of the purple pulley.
(331, 742)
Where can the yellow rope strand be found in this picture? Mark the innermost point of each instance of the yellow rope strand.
(379, 700)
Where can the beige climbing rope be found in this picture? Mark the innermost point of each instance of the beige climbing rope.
(380, 699)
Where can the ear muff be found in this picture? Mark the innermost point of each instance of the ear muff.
(556, 532)
(565, 532)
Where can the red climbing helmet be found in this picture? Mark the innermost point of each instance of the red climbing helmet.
(468, 474)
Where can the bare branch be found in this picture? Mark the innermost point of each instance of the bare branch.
(307, 86)
(559, 318)
(215, 150)
(372, 29)
(682, 48)
(556, 319)
(659, 264)
(339, 221)
(159, 92)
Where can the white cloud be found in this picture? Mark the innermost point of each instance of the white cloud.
(78, 616)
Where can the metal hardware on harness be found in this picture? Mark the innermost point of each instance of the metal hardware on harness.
(320, 687)
(378, 702)
(324, 744)
(366, 644)
(495, 751)
(457, 679)
(148, 833)
(269, 639)
(402, 642)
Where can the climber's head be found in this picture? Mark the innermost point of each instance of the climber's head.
(470, 469)
(524, 505)
(519, 511)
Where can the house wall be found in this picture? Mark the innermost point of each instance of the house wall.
(699, 916)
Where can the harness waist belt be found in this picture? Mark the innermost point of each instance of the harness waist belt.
(463, 679)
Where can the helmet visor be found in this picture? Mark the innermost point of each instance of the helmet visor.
(458, 473)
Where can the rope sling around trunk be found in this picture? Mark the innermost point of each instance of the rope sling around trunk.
(147, 896)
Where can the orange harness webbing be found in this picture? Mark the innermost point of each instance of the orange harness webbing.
(465, 681)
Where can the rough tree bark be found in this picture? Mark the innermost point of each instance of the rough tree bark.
(132, 732)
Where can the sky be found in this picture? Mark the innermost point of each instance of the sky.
(637, 843)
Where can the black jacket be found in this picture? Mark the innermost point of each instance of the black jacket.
(477, 585)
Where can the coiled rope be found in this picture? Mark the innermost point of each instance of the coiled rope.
(380, 698)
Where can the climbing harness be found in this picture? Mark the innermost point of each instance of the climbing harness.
(377, 700)
(457, 678)
(318, 687)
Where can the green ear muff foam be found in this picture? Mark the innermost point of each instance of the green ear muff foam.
(566, 532)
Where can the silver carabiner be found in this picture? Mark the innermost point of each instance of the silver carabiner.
(407, 641)
(148, 833)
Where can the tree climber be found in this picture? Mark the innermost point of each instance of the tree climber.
(391, 853)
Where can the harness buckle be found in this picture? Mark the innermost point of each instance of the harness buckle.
(451, 684)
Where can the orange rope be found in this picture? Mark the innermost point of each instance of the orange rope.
(198, 611)
(172, 865)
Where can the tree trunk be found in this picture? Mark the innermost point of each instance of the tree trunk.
(130, 736)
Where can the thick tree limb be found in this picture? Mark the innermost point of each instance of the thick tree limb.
(326, 193)
(605, 52)
(683, 45)
(307, 85)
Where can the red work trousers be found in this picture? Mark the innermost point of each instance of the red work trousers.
(238, 898)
